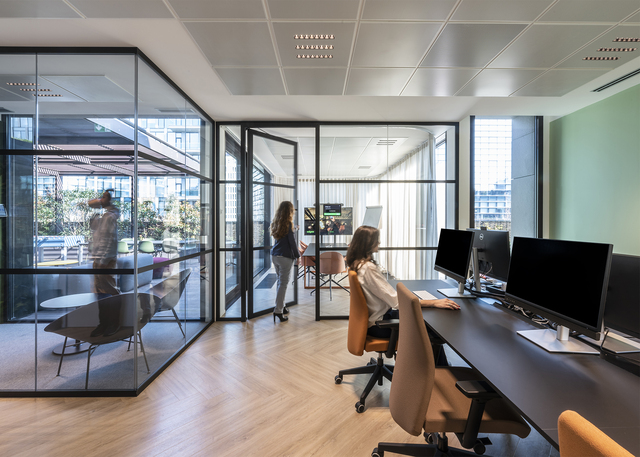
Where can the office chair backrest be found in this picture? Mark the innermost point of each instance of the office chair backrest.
(358, 316)
(332, 263)
(578, 438)
(414, 372)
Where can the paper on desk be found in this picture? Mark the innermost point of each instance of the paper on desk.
(424, 295)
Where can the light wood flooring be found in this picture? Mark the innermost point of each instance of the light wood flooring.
(243, 389)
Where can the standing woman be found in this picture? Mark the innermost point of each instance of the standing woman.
(382, 299)
(283, 254)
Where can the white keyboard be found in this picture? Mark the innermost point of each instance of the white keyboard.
(424, 295)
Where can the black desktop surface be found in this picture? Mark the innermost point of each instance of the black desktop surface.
(539, 384)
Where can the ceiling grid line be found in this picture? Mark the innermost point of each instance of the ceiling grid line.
(354, 40)
(274, 40)
(70, 5)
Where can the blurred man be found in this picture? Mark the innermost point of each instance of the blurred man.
(105, 244)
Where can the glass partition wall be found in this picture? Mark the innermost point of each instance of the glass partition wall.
(402, 177)
(106, 166)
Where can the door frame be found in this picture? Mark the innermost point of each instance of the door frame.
(248, 247)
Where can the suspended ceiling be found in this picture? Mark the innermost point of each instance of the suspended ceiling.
(392, 60)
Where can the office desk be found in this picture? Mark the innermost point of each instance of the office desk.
(537, 383)
(326, 247)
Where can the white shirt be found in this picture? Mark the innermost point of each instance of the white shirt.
(380, 295)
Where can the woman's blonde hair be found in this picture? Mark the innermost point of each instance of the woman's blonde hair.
(364, 241)
(282, 221)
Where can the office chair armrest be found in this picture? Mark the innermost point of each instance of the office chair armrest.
(480, 392)
(393, 324)
(477, 390)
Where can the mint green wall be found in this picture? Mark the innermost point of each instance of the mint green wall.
(594, 173)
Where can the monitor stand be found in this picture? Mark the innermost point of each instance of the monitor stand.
(456, 293)
(614, 342)
(557, 341)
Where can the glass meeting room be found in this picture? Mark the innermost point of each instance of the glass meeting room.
(399, 177)
(105, 165)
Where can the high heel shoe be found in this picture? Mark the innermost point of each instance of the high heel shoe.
(285, 310)
(280, 316)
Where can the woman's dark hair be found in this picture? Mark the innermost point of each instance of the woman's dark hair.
(362, 244)
(282, 221)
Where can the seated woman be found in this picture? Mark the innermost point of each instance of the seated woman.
(382, 299)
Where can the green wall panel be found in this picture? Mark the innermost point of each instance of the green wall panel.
(594, 173)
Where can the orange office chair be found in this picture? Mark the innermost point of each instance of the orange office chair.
(332, 263)
(579, 438)
(439, 400)
(358, 342)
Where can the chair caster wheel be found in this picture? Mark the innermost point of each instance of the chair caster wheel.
(428, 437)
(360, 407)
(338, 379)
(479, 448)
(377, 453)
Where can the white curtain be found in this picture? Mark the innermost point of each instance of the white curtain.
(409, 215)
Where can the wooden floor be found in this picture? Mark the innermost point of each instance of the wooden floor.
(243, 389)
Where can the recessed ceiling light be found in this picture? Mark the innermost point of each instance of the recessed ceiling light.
(313, 37)
(626, 40)
(314, 56)
(33, 90)
(600, 58)
(314, 46)
(46, 95)
(616, 49)
(21, 84)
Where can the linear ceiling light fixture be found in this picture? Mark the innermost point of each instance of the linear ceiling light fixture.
(314, 46)
(313, 37)
(21, 84)
(612, 50)
(627, 40)
(314, 56)
(616, 81)
(46, 95)
(33, 90)
(600, 58)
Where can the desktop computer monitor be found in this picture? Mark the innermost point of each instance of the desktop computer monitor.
(452, 259)
(622, 309)
(492, 252)
(563, 281)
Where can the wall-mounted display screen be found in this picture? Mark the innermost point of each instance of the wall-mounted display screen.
(329, 225)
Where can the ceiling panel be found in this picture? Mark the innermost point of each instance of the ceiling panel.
(36, 9)
(252, 81)
(234, 43)
(606, 41)
(314, 9)
(590, 10)
(634, 19)
(285, 36)
(556, 83)
(438, 82)
(8, 96)
(542, 46)
(500, 10)
(315, 81)
(470, 45)
(218, 9)
(378, 81)
(393, 44)
(122, 8)
(91, 88)
(414, 10)
(498, 83)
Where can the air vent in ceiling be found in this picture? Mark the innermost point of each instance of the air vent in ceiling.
(616, 81)
(287, 156)
(364, 167)
(386, 142)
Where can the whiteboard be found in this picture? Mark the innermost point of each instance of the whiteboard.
(372, 216)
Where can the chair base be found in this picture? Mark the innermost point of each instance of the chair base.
(378, 371)
(438, 446)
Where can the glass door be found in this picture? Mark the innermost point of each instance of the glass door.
(273, 178)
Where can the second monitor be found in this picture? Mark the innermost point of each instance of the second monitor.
(329, 225)
(452, 259)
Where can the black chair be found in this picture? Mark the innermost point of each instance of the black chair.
(108, 320)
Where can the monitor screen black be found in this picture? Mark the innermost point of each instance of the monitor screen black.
(622, 311)
(493, 252)
(332, 209)
(564, 281)
(454, 253)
